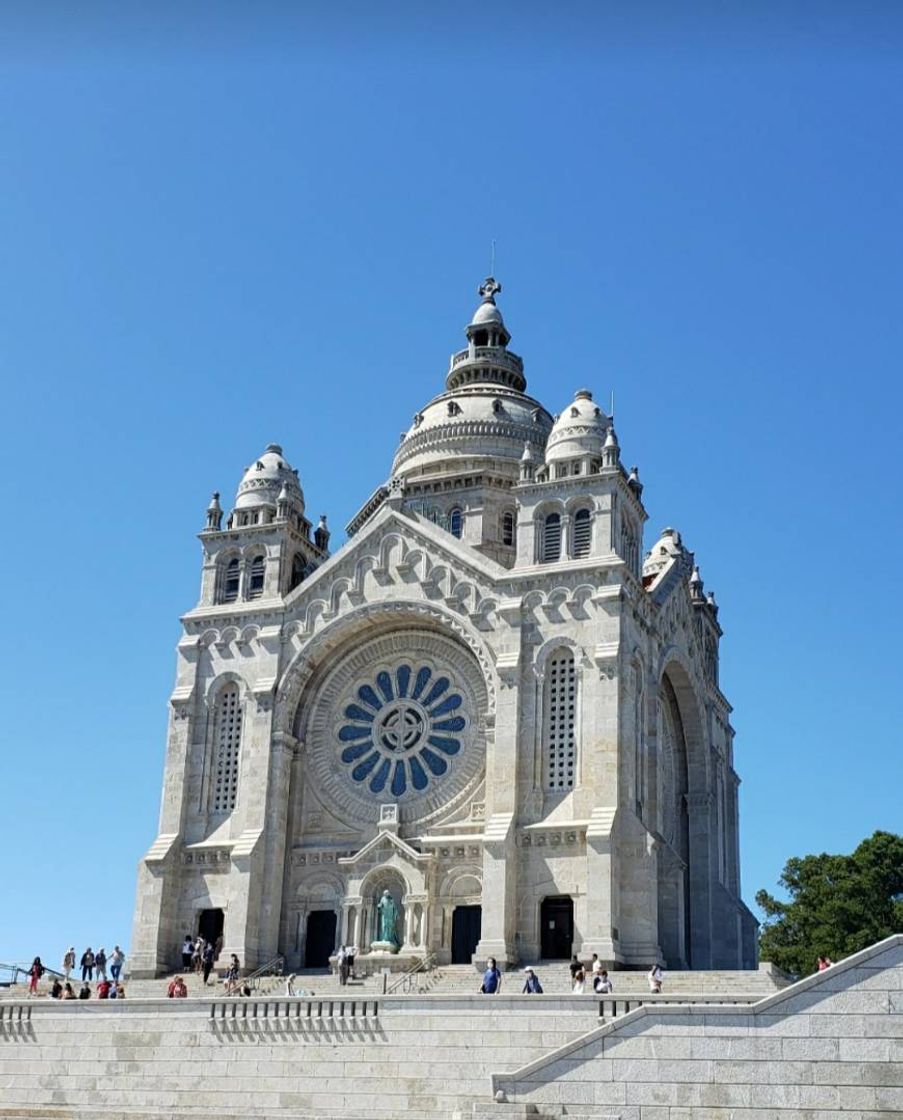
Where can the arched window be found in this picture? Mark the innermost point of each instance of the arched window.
(298, 570)
(456, 522)
(551, 538)
(255, 577)
(226, 748)
(231, 581)
(583, 532)
(559, 735)
(508, 527)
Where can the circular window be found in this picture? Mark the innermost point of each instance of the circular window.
(401, 729)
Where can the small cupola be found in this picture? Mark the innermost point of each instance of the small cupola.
(487, 328)
(487, 357)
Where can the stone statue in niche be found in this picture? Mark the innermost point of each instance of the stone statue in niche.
(388, 910)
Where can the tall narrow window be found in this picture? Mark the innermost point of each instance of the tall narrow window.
(298, 567)
(226, 747)
(560, 715)
(455, 523)
(551, 538)
(583, 530)
(231, 581)
(255, 577)
(508, 527)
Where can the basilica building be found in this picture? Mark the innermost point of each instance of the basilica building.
(487, 702)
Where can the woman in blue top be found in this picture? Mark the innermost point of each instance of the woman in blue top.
(492, 979)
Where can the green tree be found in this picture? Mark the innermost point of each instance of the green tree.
(838, 905)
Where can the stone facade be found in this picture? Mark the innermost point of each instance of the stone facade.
(484, 702)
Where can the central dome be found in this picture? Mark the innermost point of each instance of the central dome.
(476, 425)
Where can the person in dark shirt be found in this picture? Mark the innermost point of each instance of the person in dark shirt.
(532, 985)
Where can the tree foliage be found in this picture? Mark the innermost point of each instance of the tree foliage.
(838, 905)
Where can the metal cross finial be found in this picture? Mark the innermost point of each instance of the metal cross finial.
(489, 288)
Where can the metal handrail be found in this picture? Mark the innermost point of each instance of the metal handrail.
(275, 966)
(421, 964)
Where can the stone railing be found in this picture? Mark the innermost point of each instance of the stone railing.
(308, 1008)
(613, 1006)
(502, 358)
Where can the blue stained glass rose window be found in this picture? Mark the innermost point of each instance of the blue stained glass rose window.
(402, 729)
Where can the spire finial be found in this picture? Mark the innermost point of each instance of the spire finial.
(489, 289)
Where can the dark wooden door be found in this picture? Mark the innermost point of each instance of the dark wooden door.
(210, 925)
(467, 923)
(557, 934)
(320, 941)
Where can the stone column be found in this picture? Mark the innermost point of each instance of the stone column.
(601, 888)
(701, 826)
(157, 931)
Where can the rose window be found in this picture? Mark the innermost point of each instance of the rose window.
(401, 730)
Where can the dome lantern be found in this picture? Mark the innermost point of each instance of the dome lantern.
(487, 358)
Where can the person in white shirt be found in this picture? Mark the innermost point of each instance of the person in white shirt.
(655, 976)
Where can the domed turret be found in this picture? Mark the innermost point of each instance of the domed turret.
(263, 482)
(579, 431)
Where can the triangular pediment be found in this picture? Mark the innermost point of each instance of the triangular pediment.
(398, 556)
(389, 844)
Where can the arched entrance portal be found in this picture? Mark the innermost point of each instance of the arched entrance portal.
(556, 918)
(321, 938)
(467, 923)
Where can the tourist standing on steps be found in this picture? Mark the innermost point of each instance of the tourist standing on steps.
(655, 976)
(575, 967)
(197, 958)
(602, 985)
(579, 985)
(207, 961)
(87, 964)
(492, 979)
(68, 961)
(187, 952)
(100, 964)
(34, 975)
(232, 975)
(117, 959)
(342, 961)
(532, 985)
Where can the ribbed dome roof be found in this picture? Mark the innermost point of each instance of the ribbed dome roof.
(478, 422)
(579, 430)
(265, 478)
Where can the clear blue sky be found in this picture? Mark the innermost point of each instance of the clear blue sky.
(225, 224)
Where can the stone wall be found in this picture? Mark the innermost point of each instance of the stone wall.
(828, 1047)
(411, 1057)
